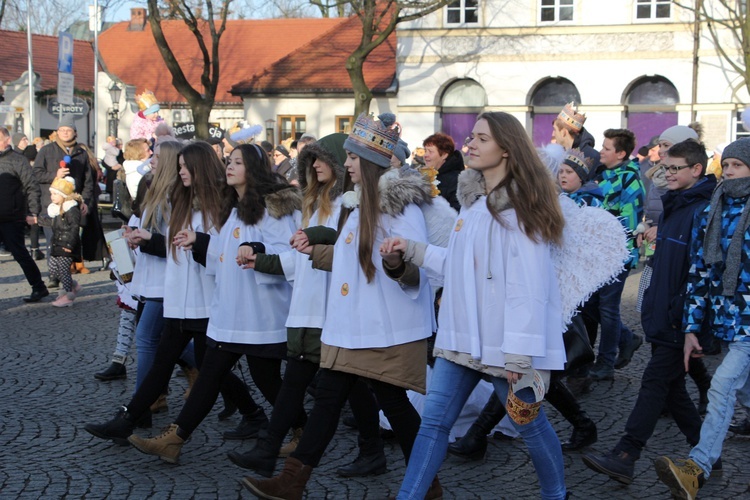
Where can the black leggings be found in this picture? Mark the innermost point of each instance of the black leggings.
(330, 394)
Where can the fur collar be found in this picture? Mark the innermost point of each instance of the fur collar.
(396, 192)
(471, 187)
(53, 210)
(283, 202)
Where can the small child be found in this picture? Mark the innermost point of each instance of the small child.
(64, 216)
(137, 160)
(573, 177)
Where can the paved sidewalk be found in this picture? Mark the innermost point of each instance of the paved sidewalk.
(48, 392)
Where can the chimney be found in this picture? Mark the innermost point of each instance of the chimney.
(137, 19)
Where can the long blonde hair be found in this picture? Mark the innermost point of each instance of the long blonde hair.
(529, 185)
(317, 195)
(156, 202)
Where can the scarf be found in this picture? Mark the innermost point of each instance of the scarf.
(712, 254)
(66, 145)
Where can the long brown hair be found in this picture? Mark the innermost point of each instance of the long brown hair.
(369, 214)
(528, 182)
(156, 202)
(206, 192)
(259, 181)
(317, 195)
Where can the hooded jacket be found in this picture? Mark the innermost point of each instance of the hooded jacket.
(589, 195)
(587, 144)
(664, 299)
(448, 178)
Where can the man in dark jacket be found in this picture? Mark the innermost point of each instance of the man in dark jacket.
(441, 154)
(663, 381)
(18, 190)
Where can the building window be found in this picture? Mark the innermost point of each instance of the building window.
(652, 9)
(556, 10)
(462, 12)
(291, 126)
(739, 130)
(344, 124)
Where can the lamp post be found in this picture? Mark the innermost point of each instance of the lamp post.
(114, 93)
(269, 130)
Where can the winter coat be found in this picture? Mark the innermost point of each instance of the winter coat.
(48, 162)
(586, 143)
(624, 198)
(65, 228)
(142, 127)
(448, 178)
(664, 299)
(18, 188)
(589, 195)
(729, 317)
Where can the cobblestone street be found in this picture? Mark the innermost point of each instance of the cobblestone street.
(48, 392)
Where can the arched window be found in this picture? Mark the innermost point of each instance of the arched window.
(546, 100)
(650, 107)
(461, 102)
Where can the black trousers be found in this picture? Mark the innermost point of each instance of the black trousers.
(332, 390)
(663, 382)
(11, 235)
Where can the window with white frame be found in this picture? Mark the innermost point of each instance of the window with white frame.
(556, 10)
(653, 9)
(462, 12)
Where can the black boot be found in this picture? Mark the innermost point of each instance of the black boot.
(618, 465)
(698, 372)
(473, 445)
(584, 429)
(113, 372)
(261, 459)
(369, 462)
(118, 429)
(249, 427)
(229, 409)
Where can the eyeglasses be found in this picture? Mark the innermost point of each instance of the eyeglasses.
(673, 169)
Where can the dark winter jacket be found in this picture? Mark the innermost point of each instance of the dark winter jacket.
(65, 231)
(48, 162)
(587, 144)
(448, 178)
(18, 188)
(664, 299)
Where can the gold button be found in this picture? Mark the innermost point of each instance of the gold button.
(236, 232)
(349, 237)
(459, 225)
(345, 289)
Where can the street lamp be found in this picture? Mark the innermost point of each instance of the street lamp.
(115, 91)
(269, 130)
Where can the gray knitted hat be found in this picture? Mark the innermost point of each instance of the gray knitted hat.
(372, 140)
(739, 149)
(67, 121)
(677, 134)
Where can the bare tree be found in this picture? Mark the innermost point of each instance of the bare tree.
(379, 19)
(200, 25)
(728, 25)
(49, 17)
(2, 11)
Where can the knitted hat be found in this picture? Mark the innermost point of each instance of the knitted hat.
(147, 102)
(739, 149)
(575, 159)
(17, 138)
(64, 186)
(281, 149)
(267, 146)
(402, 151)
(67, 121)
(678, 133)
(372, 140)
(571, 117)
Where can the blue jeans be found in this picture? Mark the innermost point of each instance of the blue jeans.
(604, 307)
(731, 376)
(450, 387)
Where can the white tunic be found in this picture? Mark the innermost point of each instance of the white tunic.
(187, 289)
(310, 292)
(148, 276)
(501, 292)
(381, 313)
(248, 307)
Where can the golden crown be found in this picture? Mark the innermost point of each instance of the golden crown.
(571, 117)
(146, 100)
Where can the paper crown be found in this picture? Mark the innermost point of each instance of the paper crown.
(147, 101)
(575, 159)
(372, 140)
(65, 186)
(571, 117)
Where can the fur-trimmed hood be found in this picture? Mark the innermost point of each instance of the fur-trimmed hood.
(284, 201)
(396, 192)
(330, 150)
(471, 187)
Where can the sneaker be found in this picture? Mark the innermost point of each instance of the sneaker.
(617, 465)
(683, 480)
(626, 354)
(64, 300)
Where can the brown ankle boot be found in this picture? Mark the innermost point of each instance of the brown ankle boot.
(289, 448)
(435, 492)
(288, 485)
(160, 404)
(166, 446)
(191, 374)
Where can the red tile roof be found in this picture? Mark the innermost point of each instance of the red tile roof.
(14, 60)
(319, 66)
(246, 47)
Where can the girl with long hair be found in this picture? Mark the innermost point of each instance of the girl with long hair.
(501, 314)
(375, 327)
(248, 309)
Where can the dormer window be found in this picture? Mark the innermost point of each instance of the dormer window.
(461, 12)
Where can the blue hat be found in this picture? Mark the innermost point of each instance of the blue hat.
(372, 140)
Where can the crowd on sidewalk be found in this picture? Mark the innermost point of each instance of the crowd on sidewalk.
(398, 282)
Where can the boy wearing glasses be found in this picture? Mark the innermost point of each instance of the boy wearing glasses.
(663, 381)
(717, 292)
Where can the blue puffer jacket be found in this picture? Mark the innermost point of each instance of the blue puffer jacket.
(589, 195)
(664, 299)
(728, 316)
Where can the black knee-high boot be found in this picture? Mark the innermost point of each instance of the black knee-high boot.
(584, 429)
(473, 445)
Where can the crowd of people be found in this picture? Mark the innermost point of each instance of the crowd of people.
(380, 276)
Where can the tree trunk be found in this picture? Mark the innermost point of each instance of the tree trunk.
(362, 95)
(201, 113)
